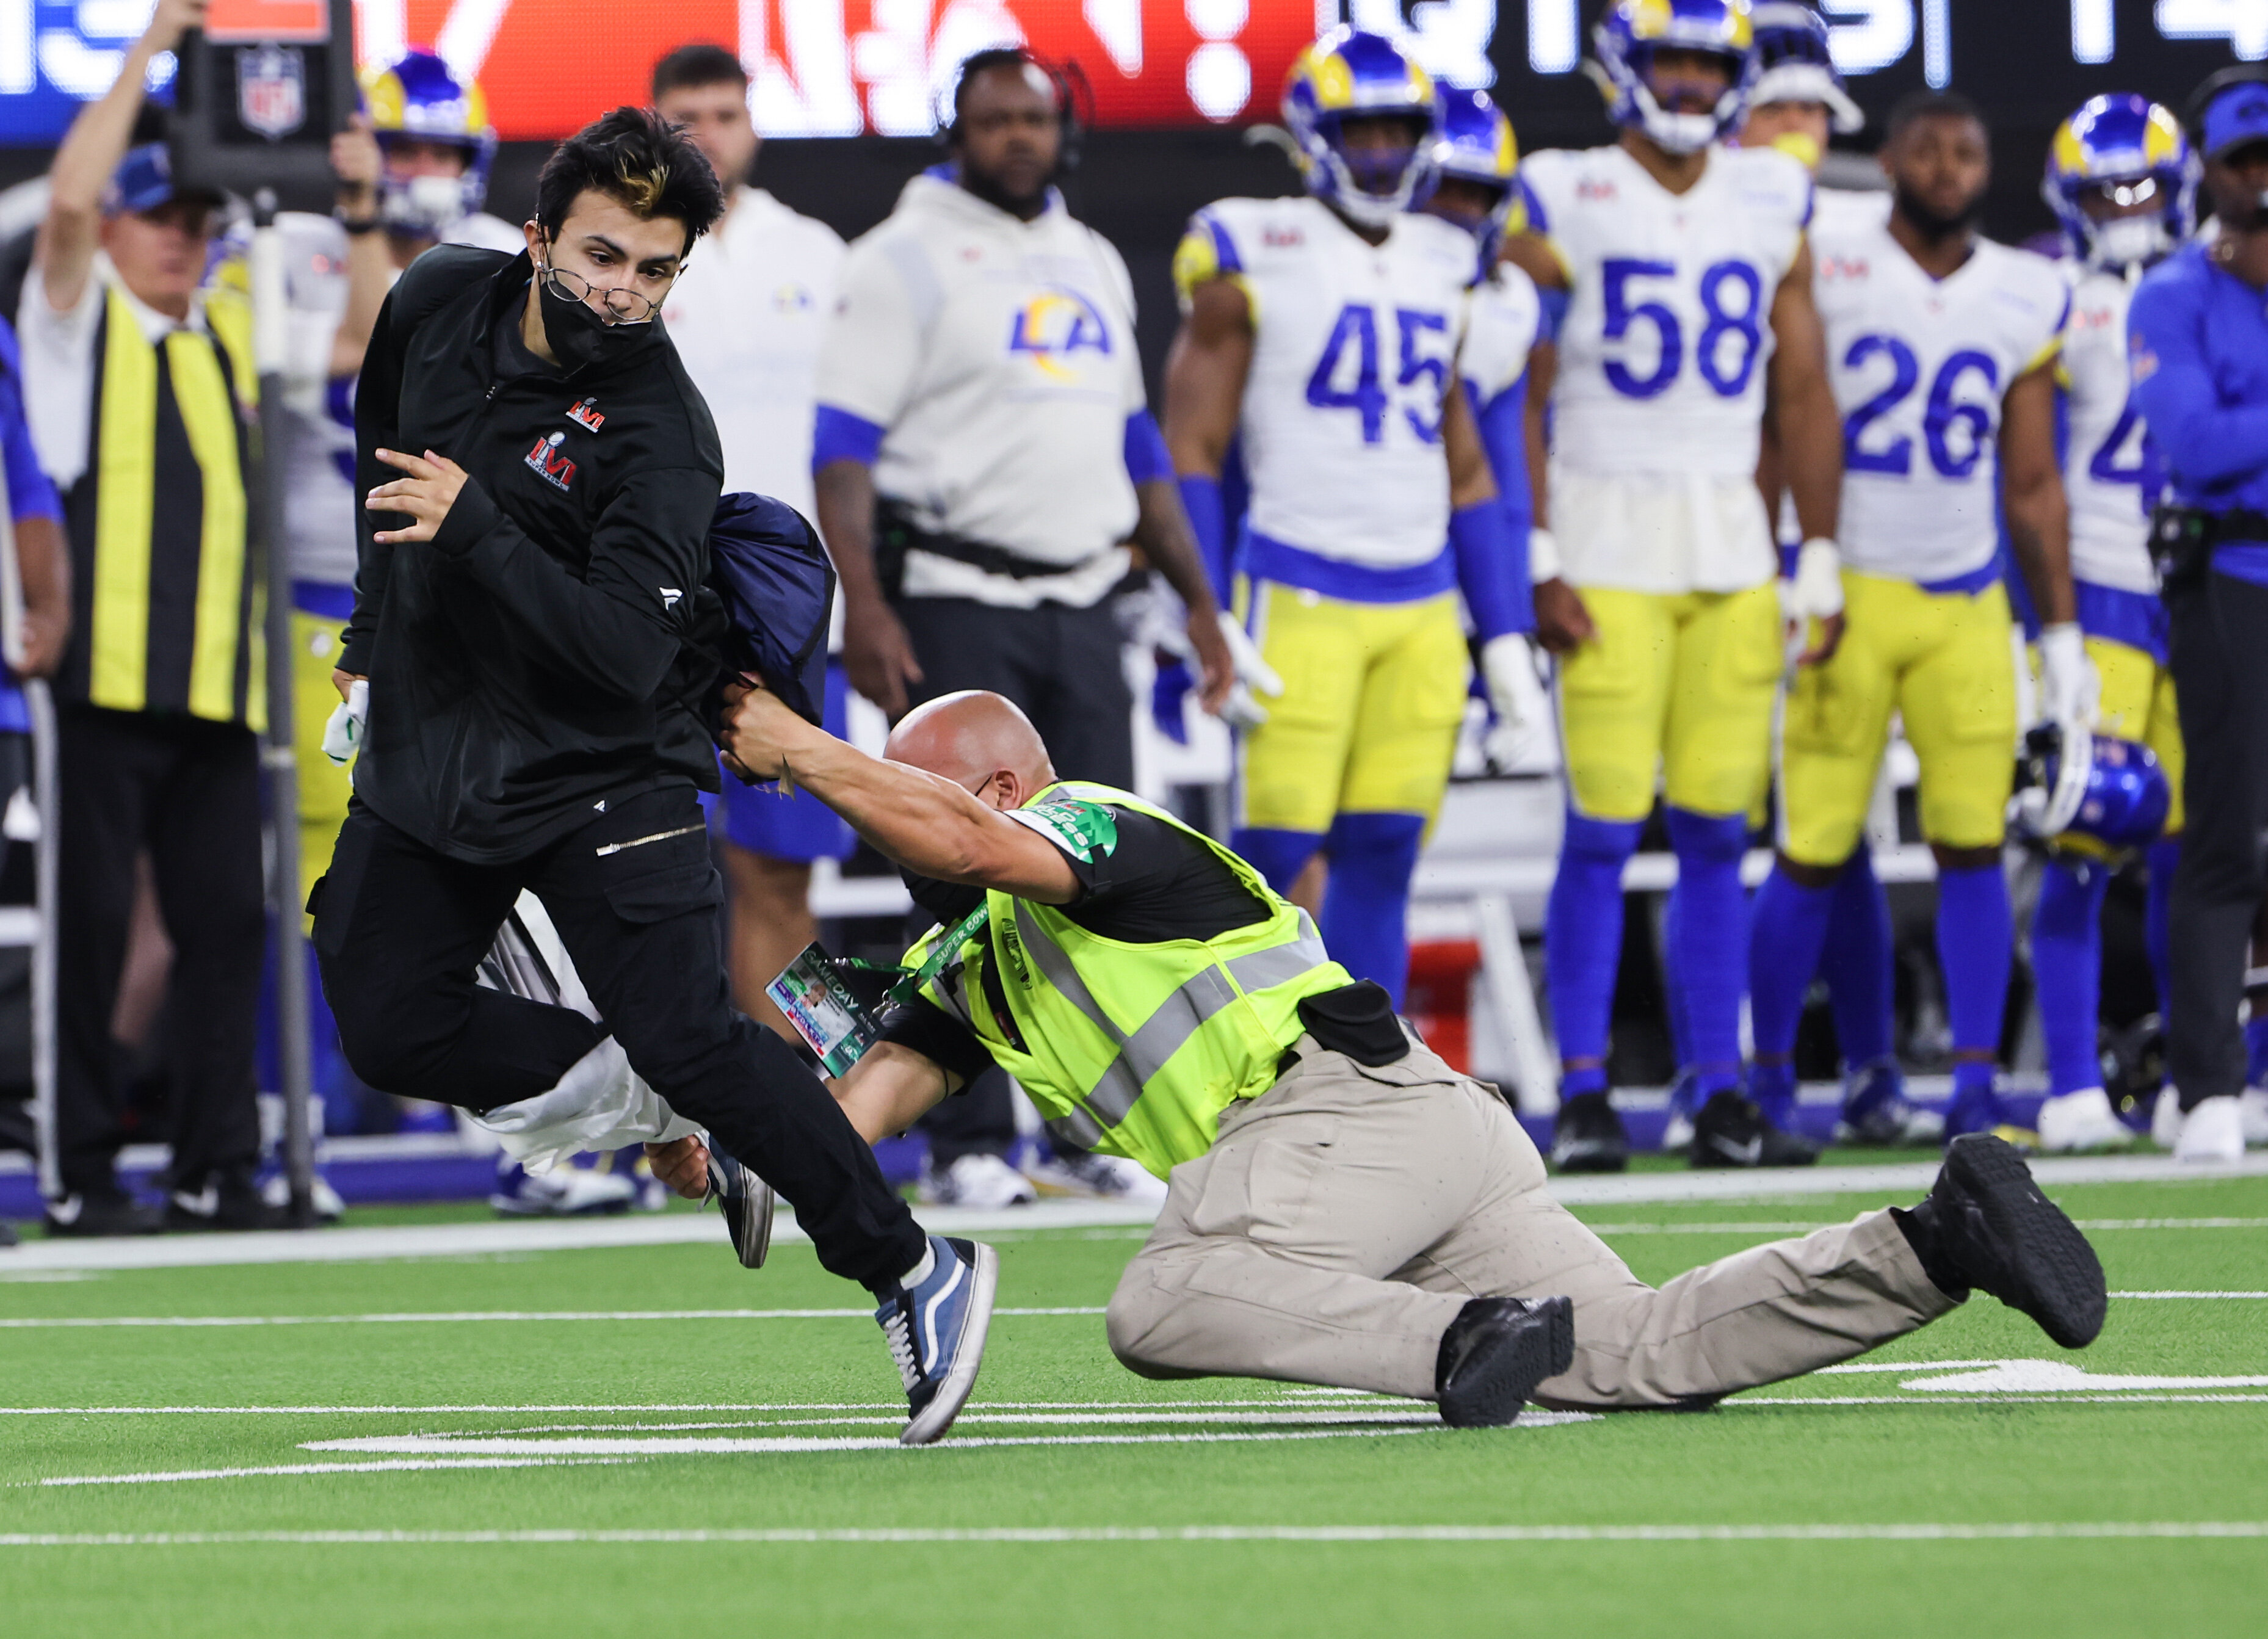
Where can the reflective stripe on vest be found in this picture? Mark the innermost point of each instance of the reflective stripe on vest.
(1143, 1051)
(126, 520)
(1136, 1049)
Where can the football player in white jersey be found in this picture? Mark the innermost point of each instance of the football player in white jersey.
(1323, 330)
(1800, 101)
(1476, 162)
(2122, 181)
(748, 315)
(1688, 309)
(1942, 346)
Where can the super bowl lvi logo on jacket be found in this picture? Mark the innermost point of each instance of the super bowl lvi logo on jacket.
(548, 463)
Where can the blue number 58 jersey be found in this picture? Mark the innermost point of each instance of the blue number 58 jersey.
(1355, 345)
(1663, 349)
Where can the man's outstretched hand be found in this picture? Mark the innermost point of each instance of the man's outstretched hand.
(683, 1165)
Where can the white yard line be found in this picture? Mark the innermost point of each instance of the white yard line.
(458, 1317)
(324, 1468)
(1931, 1531)
(1906, 1181)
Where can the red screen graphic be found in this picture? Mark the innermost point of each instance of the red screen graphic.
(834, 67)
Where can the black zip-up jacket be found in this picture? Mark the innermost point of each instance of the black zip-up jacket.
(551, 649)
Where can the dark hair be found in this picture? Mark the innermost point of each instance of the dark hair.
(1933, 105)
(698, 63)
(991, 57)
(636, 157)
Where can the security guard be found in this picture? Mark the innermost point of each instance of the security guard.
(2197, 343)
(1342, 1207)
(137, 381)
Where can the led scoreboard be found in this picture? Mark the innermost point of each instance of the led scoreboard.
(837, 67)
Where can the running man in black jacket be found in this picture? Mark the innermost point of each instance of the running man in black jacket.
(531, 616)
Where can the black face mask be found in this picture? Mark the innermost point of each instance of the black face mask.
(579, 338)
(947, 901)
(1933, 224)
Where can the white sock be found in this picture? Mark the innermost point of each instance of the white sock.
(922, 1270)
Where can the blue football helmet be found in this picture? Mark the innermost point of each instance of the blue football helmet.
(1633, 31)
(1350, 75)
(2129, 150)
(418, 99)
(2093, 792)
(1476, 144)
(1794, 63)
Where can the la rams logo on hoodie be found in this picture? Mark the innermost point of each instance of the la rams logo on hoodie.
(1054, 327)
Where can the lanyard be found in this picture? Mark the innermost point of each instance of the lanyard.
(947, 949)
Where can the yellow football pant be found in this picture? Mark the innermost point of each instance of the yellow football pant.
(1944, 663)
(1374, 694)
(1676, 689)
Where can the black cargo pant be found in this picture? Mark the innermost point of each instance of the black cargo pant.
(2219, 660)
(187, 790)
(401, 928)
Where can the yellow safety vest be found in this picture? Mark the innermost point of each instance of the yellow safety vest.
(171, 608)
(1136, 1049)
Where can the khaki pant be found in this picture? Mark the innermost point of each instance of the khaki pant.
(1341, 1221)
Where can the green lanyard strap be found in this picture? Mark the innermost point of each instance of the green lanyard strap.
(946, 949)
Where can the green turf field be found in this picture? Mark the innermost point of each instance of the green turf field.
(533, 1457)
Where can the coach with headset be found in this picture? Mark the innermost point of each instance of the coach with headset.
(2197, 341)
(983, 453)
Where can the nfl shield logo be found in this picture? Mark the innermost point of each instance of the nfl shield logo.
(272, 90)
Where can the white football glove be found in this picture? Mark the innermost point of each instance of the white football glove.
(1255, 677)
(342, 734)
(1814, 592)
(2070, 691)
(1523, 711)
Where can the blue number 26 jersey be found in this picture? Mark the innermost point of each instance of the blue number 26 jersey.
(1667, 331)
(1920, 366)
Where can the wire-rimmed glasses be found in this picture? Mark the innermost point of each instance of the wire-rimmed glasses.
(621, 305)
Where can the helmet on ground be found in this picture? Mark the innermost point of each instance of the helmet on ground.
(1623, 44)
(417, 98)
(1474, 142)
(2092, 792)
(1350, 75)
(2129, 151)
(1794, 63)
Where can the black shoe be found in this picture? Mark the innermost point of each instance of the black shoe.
(1986, 1225)
(100, 1216)
(746, 1201)
(7, 1235)
(1587, 1136)
(1494, 1354)
(1731, 1131)
(230, 1202)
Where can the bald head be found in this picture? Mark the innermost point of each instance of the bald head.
(980, 741)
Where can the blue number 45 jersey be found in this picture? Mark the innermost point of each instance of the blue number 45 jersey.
(1355, 346)
(1663, 349)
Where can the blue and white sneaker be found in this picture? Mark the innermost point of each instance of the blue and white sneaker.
(935, 1330)
(564, 1192)
(1976, 1107)
(747, 1203)
(1877, 1112)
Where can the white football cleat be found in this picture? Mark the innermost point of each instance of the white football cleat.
(1100, 1177)
(564, 1192)
(2213, 1133)
(2073, 1121)
(2166, 1118)
(985, 1182)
